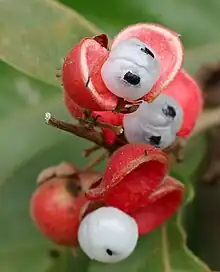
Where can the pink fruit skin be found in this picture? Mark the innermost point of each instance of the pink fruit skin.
(188, 95)
(81, 76)
(167, 46)
(73, 108)
(56, 212)
(160, 206)
(132, 173)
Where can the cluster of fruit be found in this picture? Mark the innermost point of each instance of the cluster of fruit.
(106, 214)
(143, 66)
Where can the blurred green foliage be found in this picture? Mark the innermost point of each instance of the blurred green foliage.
(34, 37)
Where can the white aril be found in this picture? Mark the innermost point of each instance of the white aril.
(131, 69)
(108, 235)
(155, 123)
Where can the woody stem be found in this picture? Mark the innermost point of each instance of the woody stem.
(96, 161)
(82, 131)
(92, 121)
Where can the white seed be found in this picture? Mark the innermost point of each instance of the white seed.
(108, 235)
(156, 123)
(135, 58)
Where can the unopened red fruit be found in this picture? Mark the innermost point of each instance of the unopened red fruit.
(56, 212)
(58, 204)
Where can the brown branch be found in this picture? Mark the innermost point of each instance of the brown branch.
(127, 107)
(92, 122)
(208, 119)
(81, 131)
(96, 161)
(87, 152)
(175, 151)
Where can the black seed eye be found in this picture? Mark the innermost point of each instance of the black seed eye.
(169, 111)
(132, 78)
(147, 51)
(109, 252)
(155, 140)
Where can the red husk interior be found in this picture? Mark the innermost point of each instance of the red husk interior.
(160, 206)
(102, 40)
(168, 49)
(189, 96)
(133, 170)
(105, 99)
(135, 187)
(78, 67)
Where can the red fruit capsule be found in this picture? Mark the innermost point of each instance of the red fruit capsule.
(188, 95)
(57, 207)
(73, 108)
(167, 46)
(133, 172)
(160, 206)
(81, 74)
(82, 78)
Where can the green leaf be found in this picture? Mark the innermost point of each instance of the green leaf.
(159, 251)
(67, 263)
(38, 35)
(201, 16)
(193, 158)
(23, 130)
(21, 92)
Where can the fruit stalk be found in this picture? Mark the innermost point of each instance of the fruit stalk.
(82, 132)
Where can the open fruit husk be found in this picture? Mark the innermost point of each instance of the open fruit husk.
(160, 205)
(134, 171)
(188, 95)
(81, 75)
(166, 44)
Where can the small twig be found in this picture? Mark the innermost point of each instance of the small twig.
(74, 252)
(81, 131)
(77, 130)
(96, 161)
(175, 151)
(127, 107)
(213, 173)
(207, 120)
(92, 122)
(87, 152)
